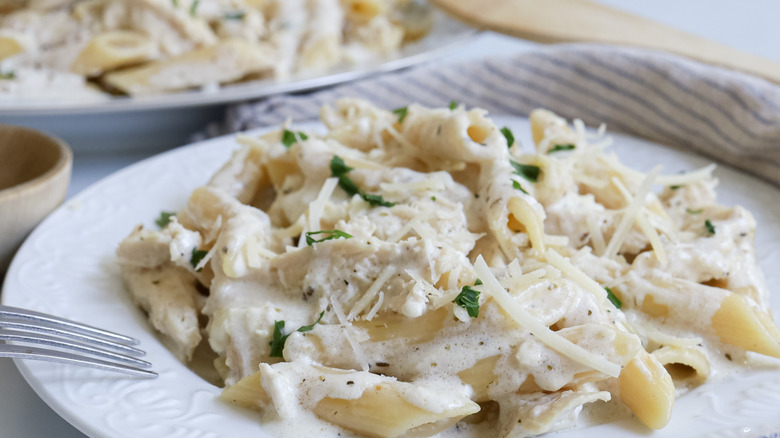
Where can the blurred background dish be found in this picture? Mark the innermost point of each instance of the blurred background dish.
(155, 122)
(34, 176)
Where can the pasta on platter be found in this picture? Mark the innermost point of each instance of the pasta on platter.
(141, 47)
(419, 272)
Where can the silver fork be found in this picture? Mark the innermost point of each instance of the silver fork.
(70, 342)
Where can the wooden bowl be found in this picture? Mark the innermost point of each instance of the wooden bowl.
(34, 176)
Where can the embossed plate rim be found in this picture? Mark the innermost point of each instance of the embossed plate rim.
(67, 266)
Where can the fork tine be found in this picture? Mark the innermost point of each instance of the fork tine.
(36, 353)
(64, 333)
(26, 326)
(56, 322)
(52, 341)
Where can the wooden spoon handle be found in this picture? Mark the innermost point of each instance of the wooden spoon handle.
(557, 21)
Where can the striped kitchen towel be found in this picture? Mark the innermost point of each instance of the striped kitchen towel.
(722, 114)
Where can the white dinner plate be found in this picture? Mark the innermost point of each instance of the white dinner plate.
(67, 267)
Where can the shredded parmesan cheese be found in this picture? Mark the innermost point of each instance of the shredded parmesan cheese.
(575, 274)
(630, 213)
(423, 230)
(394, 238)
(524, 282)
(348, 328)
(652, 236)
(430, 184)
(202, 263)
(644, 225)
(378, 305)
(596, 236)
(398, 136)
(556, 240)
(318, 205)
(558, 343)
(371, 292)
(687, 178)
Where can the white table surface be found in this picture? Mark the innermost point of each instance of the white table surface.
(749, 25)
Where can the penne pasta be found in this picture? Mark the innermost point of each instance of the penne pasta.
(226, 61)
(736, 323)
(141, 47)
(684, 363)
(479, 377)
(418, 330)
(111, 50)
(647, 388)
(382, 412)
(409, 274)
(247, 393)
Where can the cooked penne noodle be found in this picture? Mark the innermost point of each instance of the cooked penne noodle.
(226, 61)
(737, 323)
(247, 393)
(684, 363)
(418, 330)
(479, 377)
(382, 412)
(647, 388)
(110, 50)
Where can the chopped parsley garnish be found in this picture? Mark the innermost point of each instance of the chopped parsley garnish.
(674, 187)
(289, 137)
(401, 113)
(308, 328)
(277, 343)
(164, 219)
(709, 226)
(613, 298)
(197, 256)
(453, 105)
(561, 147)
(329, 235)
(348, 185)
(691, 211)
(194, 7)
(8, 75)
(235, 15)
(517, 186)
(339, 169)
(527, 171)
(433, 198)
(376, 200)
(468, 298)
(478, 282)
(510, 138)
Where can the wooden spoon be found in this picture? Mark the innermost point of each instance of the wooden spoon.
(560, 21)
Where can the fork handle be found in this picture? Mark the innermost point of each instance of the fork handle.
(559, 21)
